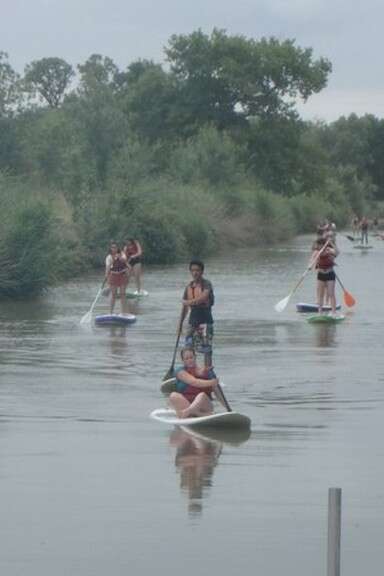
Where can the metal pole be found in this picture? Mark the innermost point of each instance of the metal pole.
(334, 531)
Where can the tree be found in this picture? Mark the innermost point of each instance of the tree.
(97, 72)
(49, 78)
(227, 79)
(9, 92)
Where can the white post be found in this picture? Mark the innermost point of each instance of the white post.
(334, 531)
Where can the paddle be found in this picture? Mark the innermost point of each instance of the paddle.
(282, 304)
(223, 399)
(88, 316)
(348, 298)
(171, 371)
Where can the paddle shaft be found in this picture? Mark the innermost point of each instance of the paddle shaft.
(97, 296)
(177, 340)
(89, 313)
(309, 268)
(223, 398)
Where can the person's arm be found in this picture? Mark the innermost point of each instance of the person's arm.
(139, 249)
(138, 252)
(202, 299)
(187, 378)
(313, 259)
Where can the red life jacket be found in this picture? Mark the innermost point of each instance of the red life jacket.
(195, 290)
(190, 392)
(326, 261)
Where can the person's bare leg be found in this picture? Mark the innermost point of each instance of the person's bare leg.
(113, 298)
(201, 406)
(123, 301)
(331, 295)
(138, 272)
(178, 403)
(321, 290)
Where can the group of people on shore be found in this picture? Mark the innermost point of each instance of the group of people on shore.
(121, 264)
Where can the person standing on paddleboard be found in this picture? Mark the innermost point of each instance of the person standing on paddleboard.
(134, 254)
(364, 225)
(324, 260)
(194, 387)
(199, 298)
(116, 274)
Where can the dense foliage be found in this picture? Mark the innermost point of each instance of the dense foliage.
(204, 152)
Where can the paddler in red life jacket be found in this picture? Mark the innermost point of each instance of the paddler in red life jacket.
(134, 254)
(116, 274)
(194, 387)
(326, 277)
(198, 298)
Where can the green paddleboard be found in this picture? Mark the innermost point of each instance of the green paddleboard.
(325, 319)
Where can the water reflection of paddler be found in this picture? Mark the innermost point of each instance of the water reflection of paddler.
(195, 460)
(116, 273)
(194, 387)
(198, 298)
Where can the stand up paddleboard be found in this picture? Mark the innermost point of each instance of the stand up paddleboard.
(325, 319)
(135, 294)
(303, 307)
(233, 436)
(115, 319)
(228, 420)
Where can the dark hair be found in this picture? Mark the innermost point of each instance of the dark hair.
(198, 263)
(187, 349)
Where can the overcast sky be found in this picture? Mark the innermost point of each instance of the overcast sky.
(350, 35)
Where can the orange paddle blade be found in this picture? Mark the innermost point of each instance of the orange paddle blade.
(349, 299)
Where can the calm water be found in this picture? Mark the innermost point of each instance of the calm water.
(91, 486)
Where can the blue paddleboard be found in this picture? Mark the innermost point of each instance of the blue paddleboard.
(115, 319)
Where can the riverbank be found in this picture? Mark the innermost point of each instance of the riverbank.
(44, 238)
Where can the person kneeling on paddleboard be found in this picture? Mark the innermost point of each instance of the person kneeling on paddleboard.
(325, 261)
(194, 387)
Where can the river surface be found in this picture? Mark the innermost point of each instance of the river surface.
(90, 485)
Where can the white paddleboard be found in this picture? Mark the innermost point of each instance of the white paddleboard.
(218, 420)
(137, 294)
(233, 436)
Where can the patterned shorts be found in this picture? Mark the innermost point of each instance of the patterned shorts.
(200, 338)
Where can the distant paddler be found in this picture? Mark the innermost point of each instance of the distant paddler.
(364, 225)
(194, 387)
(355, 226)
(134, 255)
(116, 269)
(324, 261)
(198, 298)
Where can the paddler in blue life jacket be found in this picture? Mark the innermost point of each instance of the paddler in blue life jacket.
(194, 387)
(198, 297)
